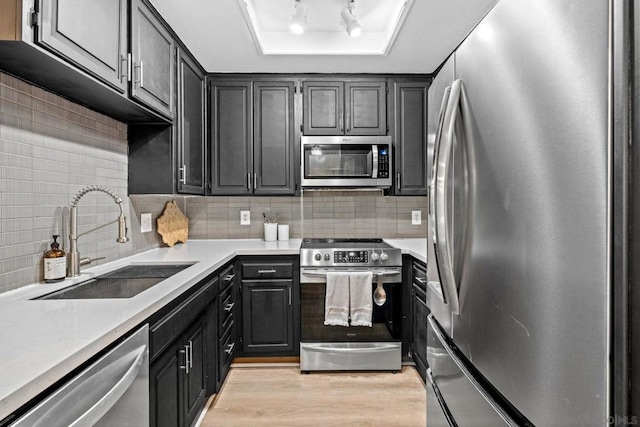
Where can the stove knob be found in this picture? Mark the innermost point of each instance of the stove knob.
(375, 256)
(318, 257)
(384, 256)
(327, 257)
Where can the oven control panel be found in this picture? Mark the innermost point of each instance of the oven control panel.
(351, 257)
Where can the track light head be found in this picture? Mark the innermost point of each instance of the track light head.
(299, 18)
(351, 23)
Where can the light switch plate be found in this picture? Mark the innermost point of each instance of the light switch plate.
(416, 217)
(145, 223)
(245, 217)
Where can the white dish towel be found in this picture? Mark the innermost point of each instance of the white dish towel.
(336, 304)
(361, 295)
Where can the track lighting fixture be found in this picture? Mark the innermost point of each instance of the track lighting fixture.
(298, 19)
(349, 18)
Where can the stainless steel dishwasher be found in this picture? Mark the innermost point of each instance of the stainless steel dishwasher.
(113, 391)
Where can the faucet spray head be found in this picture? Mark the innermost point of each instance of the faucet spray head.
(122, 230)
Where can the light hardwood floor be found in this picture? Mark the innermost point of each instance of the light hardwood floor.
(285, 397)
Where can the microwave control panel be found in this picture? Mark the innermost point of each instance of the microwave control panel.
(383, 162)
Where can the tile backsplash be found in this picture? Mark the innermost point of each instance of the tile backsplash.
(51, 148)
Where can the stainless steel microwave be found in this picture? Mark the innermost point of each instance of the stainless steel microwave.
(346, 161)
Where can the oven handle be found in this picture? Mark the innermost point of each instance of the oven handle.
(324, 273)
(378, 348)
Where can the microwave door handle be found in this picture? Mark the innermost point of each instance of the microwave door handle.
(374, 171)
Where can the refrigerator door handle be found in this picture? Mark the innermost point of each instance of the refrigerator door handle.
(432, 178)
(442, 245)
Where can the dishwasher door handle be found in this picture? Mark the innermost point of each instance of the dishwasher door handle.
(122, 384)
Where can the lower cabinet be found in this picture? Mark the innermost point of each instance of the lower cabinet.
(267, 321)
(270, 295)
(420, 311)
(177, 380)
(181, 356)
(226, 337)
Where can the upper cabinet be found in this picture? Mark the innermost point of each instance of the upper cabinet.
(190, 126)
(99, 48)
(408, 107)
(114, 56)
(355, 107)
(273, 138)
(230, 134)
(153, 52)
(252, 137)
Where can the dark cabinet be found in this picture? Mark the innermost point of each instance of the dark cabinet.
(226, 342)
(181, 356)
(270, 306)
(153, 52)
(252, 138)
(230, 134)
(420, 312)
(409, 127)
(164, 159)
(190, 126)
(273, 140)
(98, 46)
(345, 108)
(267, 321)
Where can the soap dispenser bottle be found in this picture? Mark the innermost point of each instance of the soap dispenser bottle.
(55, 263)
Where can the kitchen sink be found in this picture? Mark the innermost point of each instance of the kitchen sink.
(125, 282)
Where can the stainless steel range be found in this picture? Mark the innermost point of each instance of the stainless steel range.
(375, 347)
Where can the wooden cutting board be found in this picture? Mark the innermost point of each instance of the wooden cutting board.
(173, 225)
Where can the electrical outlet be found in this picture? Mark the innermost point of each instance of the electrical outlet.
(145, 223)
(416, 217)
(245, 217)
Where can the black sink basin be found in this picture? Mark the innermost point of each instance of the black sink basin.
(125, 282)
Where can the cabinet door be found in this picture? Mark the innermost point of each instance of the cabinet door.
(323, 108)
(420, 313)
(194, 380)
(366, 108)
(273, 147)
(231, 133)
(165, 377)
(267, 317)
(153, 53)
(99, 46)
(410, 136)
(190, 127)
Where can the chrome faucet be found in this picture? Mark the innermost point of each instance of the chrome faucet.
(73, 257)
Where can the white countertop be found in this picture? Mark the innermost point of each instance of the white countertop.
(44, 340)
(417, 248)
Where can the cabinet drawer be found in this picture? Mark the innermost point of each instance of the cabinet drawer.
(167, 329)
(226, 304)
(275, 270)
(226, 278)
(419, 273)
(226, 352)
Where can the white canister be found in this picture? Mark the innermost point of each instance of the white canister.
(270, 231)
(283, 232)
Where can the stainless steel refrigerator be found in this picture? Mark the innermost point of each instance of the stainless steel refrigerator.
(519, 245)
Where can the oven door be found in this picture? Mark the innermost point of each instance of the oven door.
(323, 347)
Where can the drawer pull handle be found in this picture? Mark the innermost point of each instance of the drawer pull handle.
(229, 307)
(229, 277)
(421, 280)
(267, 271)
(229, 348)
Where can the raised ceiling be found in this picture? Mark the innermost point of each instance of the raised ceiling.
(217, 34)
(325, 33)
